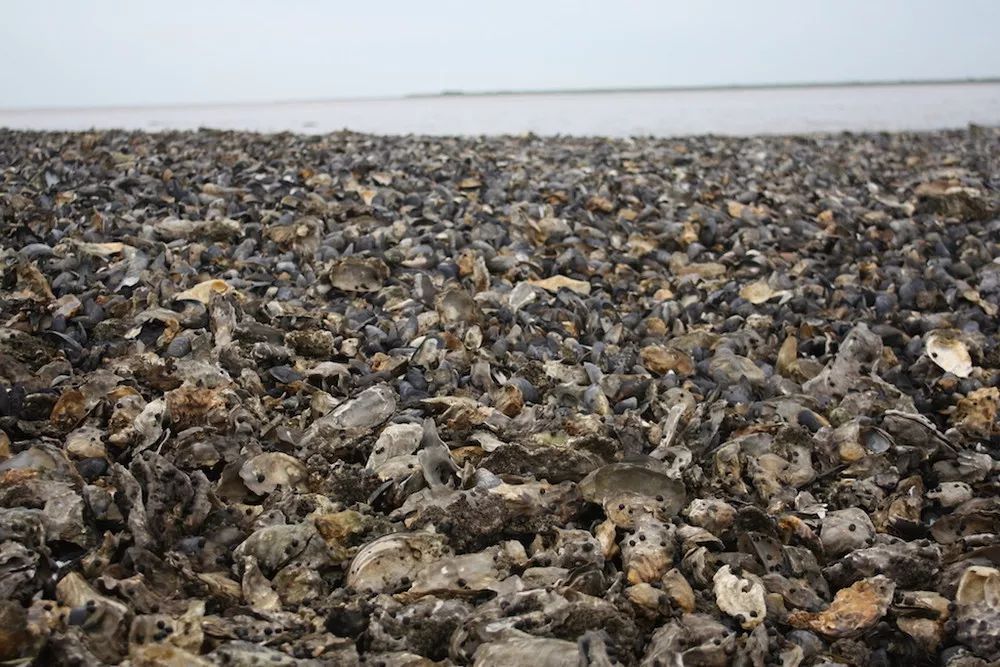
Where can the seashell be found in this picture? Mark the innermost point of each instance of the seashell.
(272, 547)
(455, 306)
(395, 440)
(648, 552)
(978, 601)
(556, 283)
(741, 598)
(203, 291)
(853, 611)
(760, 292)
(516, 650)
(194, 406)
(921, 614)
(979, 584)
(661, 359)
(264, 473)
(393, 560)
(467, 574)
(615, 478)
(951, 494)
(728, 368)
(911, 565)
(716, 516)
(976, 413)
(366, 410)
(950, 354)
(858, 354)
(696, 638)
(353, 274)
(846, 530)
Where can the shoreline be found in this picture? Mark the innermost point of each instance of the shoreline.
(515, 93)
(726, 112)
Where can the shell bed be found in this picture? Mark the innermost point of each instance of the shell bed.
(407, 401)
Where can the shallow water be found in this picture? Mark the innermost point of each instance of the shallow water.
(659, 113)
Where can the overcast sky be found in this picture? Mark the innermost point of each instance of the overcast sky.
(138, 52)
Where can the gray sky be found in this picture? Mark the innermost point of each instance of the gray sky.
(139, 52)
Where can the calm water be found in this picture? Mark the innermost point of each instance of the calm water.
(667, 113)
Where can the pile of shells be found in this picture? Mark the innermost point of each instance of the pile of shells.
(333, 400)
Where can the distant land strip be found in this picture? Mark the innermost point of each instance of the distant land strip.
(514, 92)
(683, 89)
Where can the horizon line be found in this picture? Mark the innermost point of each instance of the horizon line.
(524, 92)
(710, 87)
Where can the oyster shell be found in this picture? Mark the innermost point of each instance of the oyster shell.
(603, 484)
(648, 552)
(514, 650)
(845, 531)
(393, 560)
(950, 354)
(740, 597)
(853, 610)
(264, 473)
(353, 274)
